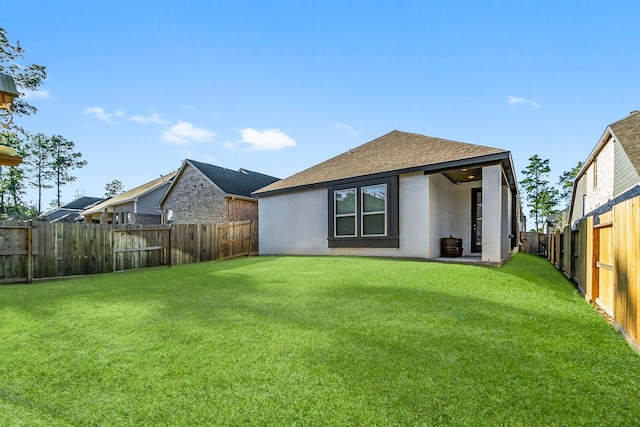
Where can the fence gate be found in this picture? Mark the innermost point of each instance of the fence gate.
(234, 239)
(15, 248)
(141, 247)
(604, 268)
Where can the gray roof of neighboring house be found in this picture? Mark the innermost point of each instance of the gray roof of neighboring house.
(396, 151)
(58, 213)
(131, 195)
(627, 131)
(71, 207)
(82, 202)
(240, 183)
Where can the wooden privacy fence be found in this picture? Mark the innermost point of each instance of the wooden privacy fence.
(45, 250)
(601, 255)
(234, 239)
(141, 247)
(535, 243)
(15, 248)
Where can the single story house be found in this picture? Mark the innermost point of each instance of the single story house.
(202, 192)
(396, 196)
(137, 206)
(611, 173)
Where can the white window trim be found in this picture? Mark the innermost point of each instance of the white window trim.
(354, 215)
(363, 213)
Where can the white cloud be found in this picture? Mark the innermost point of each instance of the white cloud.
(184, 132)
(519, 100)
(266, 140)
(33, 94)
(103, 115)
(153, 118)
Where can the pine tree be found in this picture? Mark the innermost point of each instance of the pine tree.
(542, 198)
(64, 160)
(565, 181)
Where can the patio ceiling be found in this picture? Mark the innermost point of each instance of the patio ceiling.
(464, 174)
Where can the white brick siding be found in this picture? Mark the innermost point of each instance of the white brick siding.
(602, 192)
(296, 223)
(491, 213)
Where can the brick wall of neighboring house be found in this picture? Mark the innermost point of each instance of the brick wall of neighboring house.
(142, 219)
(240, 210)
(194, 199)
(123, 209)
(104, 218)
(599, 185)
(131, 218)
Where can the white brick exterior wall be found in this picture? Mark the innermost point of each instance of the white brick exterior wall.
(506, 221)
(491, 213)
(603, 190)
(294, 223)
(441, 212)
(297, 223)
(414, 222)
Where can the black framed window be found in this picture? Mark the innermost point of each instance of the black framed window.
(364, 214)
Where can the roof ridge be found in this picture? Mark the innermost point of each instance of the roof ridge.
(625, 118)
(395, 151)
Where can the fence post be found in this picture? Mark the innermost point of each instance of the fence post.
(113, 248)
(30, 253)
(169, 237)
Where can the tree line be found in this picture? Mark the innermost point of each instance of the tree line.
(542, 197)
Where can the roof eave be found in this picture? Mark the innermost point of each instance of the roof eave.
(503, 157)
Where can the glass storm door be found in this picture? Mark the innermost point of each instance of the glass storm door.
(476, 220)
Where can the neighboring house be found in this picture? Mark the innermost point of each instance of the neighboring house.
(134, 207)
(202, 192)
(396, 196)
(69, 212)
(555, 222)
(611, 173)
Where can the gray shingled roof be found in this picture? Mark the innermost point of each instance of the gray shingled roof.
(241, 183)
(627, 131)
(395, 151)
(82, 202)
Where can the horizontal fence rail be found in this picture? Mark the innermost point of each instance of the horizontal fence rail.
(40, 249)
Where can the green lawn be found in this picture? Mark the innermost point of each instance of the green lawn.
(313, 341)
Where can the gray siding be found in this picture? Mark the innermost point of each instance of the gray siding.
(148, 203)
(625, 175)
(577, 200)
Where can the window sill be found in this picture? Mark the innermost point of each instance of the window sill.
(364, 242)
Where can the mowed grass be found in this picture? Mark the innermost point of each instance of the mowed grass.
(311, 341)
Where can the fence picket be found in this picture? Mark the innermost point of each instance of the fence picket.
(44, 250)
(606, 257)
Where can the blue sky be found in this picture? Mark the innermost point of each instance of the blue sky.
(280, 86)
